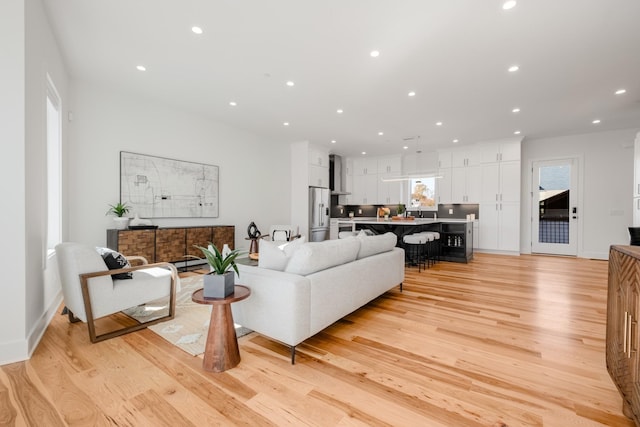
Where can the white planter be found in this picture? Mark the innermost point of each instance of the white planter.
(219, 286)
(121, 222)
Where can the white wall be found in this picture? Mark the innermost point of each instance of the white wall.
(254, 172)
(605, 186)
(12, 171)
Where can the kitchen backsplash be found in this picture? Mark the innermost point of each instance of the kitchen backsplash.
(458, 211)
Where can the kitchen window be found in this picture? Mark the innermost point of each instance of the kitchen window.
(422, 193)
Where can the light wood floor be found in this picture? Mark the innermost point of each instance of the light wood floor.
(502, 341)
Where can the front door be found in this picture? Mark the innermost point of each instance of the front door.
(555, 207)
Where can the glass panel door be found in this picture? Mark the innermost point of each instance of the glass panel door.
(554, 205)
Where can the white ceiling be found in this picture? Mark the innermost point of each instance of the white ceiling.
(573, 55)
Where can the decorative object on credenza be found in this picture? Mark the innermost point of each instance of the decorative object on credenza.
(119, 210)
(138, 222)
(220, 282)
(254, 236)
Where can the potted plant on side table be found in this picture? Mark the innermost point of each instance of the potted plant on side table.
(220, 281)
(119, 210)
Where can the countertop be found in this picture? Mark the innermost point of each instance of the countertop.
(417, 221)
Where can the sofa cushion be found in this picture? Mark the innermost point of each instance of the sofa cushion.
(316, 256)
(276, 255)
(114, 261)
(372, 245)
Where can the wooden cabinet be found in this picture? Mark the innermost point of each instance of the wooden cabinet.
(169, 244)
(623, 312)
(133, 242)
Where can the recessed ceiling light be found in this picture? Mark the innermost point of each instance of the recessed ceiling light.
(513, 68)
(333, 141)
(364, 152)
(285, 124)
(290, 83)
(455, 141)
(515, 110)
(374, 53)
(141, 68)
(517, 132)
(233, 103)
(339, 111)
(596, 121)
(438, 123)
(621, 91)
(411, 93)
(509, 4)
(380, 133)
(196, 30)
(405, 147)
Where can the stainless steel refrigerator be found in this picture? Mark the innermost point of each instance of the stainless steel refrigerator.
(318, 214)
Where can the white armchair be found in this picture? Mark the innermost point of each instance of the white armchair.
(90, 292)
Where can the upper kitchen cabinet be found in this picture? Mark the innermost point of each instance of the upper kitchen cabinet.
(318, 166)
(365, 166)
(500, 151)
(466, 156)
(445, 159)
(318, 156)
(390, 165)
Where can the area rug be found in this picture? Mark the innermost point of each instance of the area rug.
(188, 329)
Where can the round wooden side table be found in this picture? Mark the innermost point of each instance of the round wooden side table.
(221, 350)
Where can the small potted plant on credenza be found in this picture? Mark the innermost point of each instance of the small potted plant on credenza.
(220, 281)
(119, 210)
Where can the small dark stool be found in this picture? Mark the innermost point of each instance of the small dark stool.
(634, 232)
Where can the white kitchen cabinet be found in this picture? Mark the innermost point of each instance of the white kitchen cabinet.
(365, 166)
(365, 189)
(318, 176)
(390, 192)
(443, 186)
(389, 165)
(500, 197)
(465, 156)
(500, 226)
(318, 156)
(445, 159)
(466, 184)
(492, 152)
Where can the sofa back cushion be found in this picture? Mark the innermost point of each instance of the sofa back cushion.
(317, 256)
(276, 255)
(372, 245)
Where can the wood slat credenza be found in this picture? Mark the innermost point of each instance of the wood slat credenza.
(623, 312)
(170, 244)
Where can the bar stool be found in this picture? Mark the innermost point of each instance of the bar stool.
(415, 244)
(431, 249)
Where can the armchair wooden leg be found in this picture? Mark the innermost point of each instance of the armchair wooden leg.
(293, 354)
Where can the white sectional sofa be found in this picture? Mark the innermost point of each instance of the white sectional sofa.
(301, 289)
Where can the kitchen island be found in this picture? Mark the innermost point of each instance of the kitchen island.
(456, 235)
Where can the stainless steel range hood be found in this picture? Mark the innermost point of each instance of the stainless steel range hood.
(337, 176)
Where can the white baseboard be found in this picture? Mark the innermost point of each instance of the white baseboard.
(40, 327)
